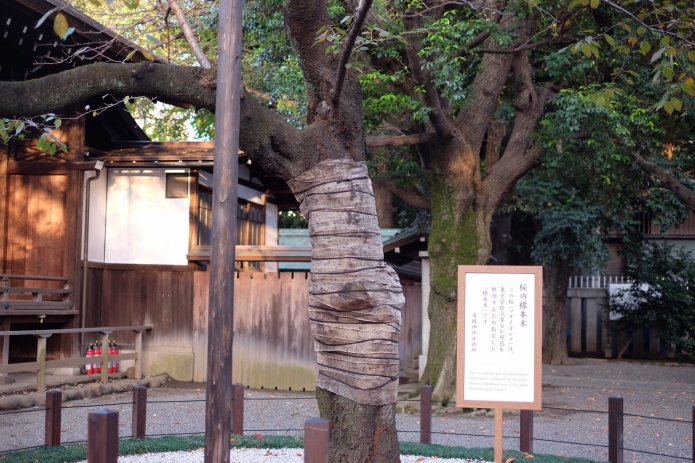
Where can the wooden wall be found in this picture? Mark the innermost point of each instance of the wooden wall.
(36, 227)
(128, 295)
(273, 346)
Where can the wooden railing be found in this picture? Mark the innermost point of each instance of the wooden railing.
(34, 302)
(41, 363)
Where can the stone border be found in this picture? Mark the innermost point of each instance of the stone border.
(38, 399)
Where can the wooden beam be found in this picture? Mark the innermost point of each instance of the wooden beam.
(222, 272)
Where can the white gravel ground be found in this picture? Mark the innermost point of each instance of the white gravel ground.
(263, 456)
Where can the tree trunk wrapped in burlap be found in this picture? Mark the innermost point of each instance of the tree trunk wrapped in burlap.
(355, 299)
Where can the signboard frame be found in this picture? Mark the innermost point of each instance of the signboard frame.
(537, 271)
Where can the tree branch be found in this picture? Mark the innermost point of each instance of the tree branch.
(519, 156)
(401, 140)
(409, 196)
(188, 33)
(671, 182)
(347, 52)
(439, 119)
(266, 137)
(642, 23)
(483, 36)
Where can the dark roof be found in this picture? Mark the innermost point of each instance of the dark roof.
(30, 52)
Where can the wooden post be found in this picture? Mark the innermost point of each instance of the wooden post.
(426, 415)
(5, 378)
(316, 440)
(498, 434)
(139, 411)
(223, 234)
(526, 431)
(615, 429)
(54, 406)
(102, 436)
(41, 358)
(138, 350)
(238, 409)
(105, 356)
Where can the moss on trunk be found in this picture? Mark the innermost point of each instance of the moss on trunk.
(359, 433)
(459, 236)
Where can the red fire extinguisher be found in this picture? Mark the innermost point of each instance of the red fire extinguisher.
(89, 354)
(111, 352)
(115, 352)
(97, 353)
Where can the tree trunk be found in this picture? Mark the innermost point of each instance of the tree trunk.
(460, 235)
(355, 303)
(384, 204)
(359, 433)
(555, 342)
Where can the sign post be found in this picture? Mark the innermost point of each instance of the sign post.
(499, 340)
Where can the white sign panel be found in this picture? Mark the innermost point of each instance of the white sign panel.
(499, 349)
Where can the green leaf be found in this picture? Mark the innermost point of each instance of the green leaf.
(153, 39)
(610, 40)
(667, 73)
(95, 2)
(44, 17)
(594, 4)
(691, 56)
(58, 123)
(677, 104)
(601, 101)
(641, 30)
(148, 56)
(52, 149)
(60, 25)
(645, 47)
(586, 49)
(668, 107)
(130, 55)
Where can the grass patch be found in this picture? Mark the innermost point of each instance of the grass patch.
(130, 446)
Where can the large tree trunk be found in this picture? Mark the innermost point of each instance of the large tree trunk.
(555, 342)
(355, 303)
(460, 235)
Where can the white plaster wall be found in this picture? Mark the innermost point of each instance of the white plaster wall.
(251, 195)
(142, 225)
(271, 232)
(97, 217)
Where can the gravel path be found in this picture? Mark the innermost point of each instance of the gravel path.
(665, 392)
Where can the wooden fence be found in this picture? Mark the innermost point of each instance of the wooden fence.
(41, 364)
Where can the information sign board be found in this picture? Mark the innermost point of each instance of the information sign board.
(499, 337)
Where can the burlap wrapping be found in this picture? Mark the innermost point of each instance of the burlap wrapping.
(355, 299)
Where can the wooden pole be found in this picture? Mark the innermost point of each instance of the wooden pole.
(615, 429)
(41, 358)
(102, 436)
(139, 411)
(526, 431)
(426, 415)
(316, 440)
(238, 409)
(223, 238)
(54, 404)
(498, 434)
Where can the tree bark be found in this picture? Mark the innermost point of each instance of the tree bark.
(460, 235)
(359, 433)
(355, 303)
(556, 279)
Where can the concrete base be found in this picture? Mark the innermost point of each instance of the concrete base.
(63, 371)
(422, 363)
(6, 379)
(178, 365)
